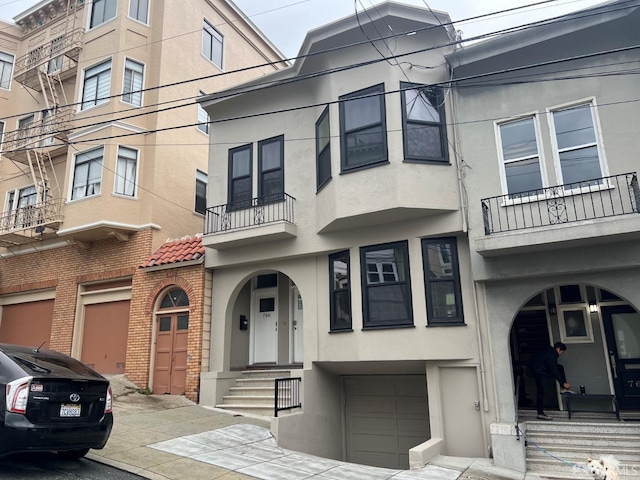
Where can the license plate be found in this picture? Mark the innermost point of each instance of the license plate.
(69, 410)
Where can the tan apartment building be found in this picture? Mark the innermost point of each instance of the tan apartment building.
(103, 158)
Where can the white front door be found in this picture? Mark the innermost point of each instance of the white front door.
(296, 326)
(265, 325)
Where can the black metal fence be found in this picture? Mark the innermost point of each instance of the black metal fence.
(571, 202)
(287, 395)
(250, 213)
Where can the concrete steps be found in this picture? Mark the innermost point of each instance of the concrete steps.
(254, 392)
(560, 449)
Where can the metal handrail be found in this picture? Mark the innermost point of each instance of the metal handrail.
(287, 394)
(250, 213)
(31, 216)
(54, 125)
(570, 202)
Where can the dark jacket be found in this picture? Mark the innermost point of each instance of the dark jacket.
(545, 363)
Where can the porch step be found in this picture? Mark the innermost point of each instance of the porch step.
(560, 449)
(254, 392)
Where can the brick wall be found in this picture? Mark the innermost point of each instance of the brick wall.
(149, 287)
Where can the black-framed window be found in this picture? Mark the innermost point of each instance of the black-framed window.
(323, 149)
(442, 281)
(363, 129)
(340, 290)
(240, 178)
(424, 128)
(201, 192)
(271, 169)
(386, 285)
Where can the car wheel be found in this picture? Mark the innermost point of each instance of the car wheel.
(73, 454)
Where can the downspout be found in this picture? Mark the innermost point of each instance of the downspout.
(465, 229)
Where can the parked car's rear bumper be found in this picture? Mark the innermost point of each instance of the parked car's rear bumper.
(17, 434)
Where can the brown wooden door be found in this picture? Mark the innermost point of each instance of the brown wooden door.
(170, 371)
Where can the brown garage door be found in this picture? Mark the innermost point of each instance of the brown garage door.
(386, 416)
(104, 341)
(27, 323)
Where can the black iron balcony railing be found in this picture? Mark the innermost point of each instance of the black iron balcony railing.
(287, 394)
(571, 202)
(250, 213)
(47, 213)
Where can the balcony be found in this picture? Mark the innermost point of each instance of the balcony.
(59, 55)
(30, 223)
(39, 135)
(258, 220)
(597, 210)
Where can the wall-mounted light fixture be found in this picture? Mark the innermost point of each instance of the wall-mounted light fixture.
(593, 308)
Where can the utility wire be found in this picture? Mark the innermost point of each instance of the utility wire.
(341, 47)
(232, 91)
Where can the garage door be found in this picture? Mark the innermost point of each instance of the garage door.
(386, 416)
(104, 339)
(27, 323)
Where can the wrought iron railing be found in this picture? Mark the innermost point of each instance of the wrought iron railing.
(68, 44)
(287, 395)
(250, 213)
(31, 216)
(571, 202)
(36, 134)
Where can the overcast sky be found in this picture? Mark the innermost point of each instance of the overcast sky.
(285, 22)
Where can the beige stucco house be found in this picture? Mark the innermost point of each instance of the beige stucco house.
(104, 158)
(548, 132)
(337, 241)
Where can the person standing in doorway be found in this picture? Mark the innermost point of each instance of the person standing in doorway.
(544, 364)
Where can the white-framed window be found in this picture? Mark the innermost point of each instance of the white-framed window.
(97, 85)
(201, 192)
(6, 70)
(212, 42)
(522, 173)
(54, 65)
(1, 135)
(139, 10)
(21, 205)
(203, 118)
(102, 11)
(133, 82)
(24, 126)
(87, 173)
(126, 172)
(579, 157)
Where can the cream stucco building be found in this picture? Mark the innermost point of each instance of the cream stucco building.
(104, 158)
(337, 241)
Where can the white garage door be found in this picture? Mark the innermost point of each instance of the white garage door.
(386, 416)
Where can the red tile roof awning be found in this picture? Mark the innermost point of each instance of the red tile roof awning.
(187, 249)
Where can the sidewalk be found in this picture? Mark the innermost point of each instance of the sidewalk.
(164, 437)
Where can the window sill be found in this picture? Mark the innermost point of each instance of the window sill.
(444, 161)
(342, 330)
(387, 327)
(358, 168)
(446, 324)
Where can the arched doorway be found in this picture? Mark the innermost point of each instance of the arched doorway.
(601, 331)
(172, 332)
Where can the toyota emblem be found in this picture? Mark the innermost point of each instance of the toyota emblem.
(74, 397)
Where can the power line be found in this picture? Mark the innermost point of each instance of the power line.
(232, 91)
(334, 49)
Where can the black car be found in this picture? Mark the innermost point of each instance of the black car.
(52, 402)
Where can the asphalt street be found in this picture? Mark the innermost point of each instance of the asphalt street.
(47, 466)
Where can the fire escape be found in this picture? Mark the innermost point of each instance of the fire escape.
(42, 136)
